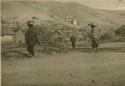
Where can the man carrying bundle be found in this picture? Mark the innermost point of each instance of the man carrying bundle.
(93, 36)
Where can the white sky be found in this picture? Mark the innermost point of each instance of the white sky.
(100, 4)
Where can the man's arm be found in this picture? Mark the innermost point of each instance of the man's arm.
(37, 39)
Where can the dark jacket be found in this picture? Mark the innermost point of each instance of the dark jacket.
(31, 36)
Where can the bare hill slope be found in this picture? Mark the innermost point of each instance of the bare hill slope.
(84, 15)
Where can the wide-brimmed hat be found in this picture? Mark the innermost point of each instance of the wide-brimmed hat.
(92, 25)
(30, 22)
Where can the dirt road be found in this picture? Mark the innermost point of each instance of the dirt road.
(70, 69)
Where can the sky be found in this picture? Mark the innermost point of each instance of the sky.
(99, 4)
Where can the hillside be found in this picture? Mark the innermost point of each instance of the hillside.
(25, 10)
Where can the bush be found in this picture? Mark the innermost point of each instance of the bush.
(106, 37)
(120, 31)
(47, 41)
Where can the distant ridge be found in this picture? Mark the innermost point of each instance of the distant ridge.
(25, 10)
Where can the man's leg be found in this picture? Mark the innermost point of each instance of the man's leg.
(96, 49)
(96, 46)
(73, 45)
(30, 49)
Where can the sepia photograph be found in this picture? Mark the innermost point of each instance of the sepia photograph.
(62, 42)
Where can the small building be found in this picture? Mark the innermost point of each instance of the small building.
(7, 35)
(19, 37)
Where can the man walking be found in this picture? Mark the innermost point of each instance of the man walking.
(31, 38)
(73, 41)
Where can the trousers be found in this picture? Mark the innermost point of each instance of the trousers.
(30, 49)
(73, 44)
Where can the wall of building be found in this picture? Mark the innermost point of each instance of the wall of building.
(7, 38)
(19, 37)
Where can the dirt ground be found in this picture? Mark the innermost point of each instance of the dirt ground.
(75, 68)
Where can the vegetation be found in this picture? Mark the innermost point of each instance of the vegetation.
(120, 31)
(106, 37)
(47, 40)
